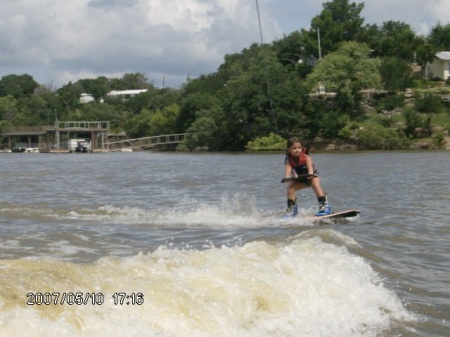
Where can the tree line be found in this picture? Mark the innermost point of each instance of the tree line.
(268, 91)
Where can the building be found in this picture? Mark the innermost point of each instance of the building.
(86, 98)
(126, 94)
(440, 67)
(58, 137)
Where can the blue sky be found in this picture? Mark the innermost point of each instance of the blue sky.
(168, 40)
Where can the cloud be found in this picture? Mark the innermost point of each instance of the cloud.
(60, 41)
(173, 38)
(440, 9)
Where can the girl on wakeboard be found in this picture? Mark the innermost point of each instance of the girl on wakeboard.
(297, 163)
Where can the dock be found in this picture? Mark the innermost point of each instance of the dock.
(59, 137)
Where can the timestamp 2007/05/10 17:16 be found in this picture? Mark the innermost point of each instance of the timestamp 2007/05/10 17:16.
(81, 298)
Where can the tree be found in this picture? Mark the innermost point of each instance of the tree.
(99, 112)
(395, 74)
(396, 39)
(8, 109)
(69, 94)
(98, 87)
(137, 125)
(162, 122)
(248, 107)
(153, 99)
(347, 71)
(203, 132)
(338, 22)
(439, 37)
(17, 85)
(191, 104)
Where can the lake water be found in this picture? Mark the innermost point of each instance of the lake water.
(195, 245)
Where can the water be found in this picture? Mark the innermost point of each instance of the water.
(197, 243)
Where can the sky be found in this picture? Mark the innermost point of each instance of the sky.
(57, 42)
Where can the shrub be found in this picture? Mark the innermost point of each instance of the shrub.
(272, 142)
(439, 140)
(377, 137)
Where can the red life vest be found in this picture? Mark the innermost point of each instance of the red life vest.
(300, 167)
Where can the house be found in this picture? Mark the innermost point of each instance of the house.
(126, 94)
(440, 67)
(86, 98)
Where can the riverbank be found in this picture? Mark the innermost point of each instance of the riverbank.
(323, 144)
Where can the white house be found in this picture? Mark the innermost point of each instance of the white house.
(440, 67)
(126, 94)
(86, 98)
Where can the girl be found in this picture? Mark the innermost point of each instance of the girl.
(298, 162)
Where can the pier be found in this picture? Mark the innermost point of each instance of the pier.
(60, 136)
(56, 137)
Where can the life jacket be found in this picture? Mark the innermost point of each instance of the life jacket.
(300, 167)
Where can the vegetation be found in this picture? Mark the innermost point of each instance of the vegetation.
(266, 93)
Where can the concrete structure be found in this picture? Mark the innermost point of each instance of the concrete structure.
(57, 137)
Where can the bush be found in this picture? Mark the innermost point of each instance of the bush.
(272, 142)
(428, 103)
(377, 137)
(413, 120)
(439, 140)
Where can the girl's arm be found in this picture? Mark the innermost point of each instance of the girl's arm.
(288, 172)
(309, 164)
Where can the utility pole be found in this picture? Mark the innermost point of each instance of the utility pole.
(318, 42)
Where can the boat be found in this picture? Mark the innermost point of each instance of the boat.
(31, 150)
(79, 145)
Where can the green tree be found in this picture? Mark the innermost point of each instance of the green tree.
(70, 94)
(97, 87)
(8, 109)
(203, 132)
(347, 71)
(339, 21)
(137, 125)
(153, 99)
(439, 37)
(248, 103)
(99, 112)
(396, 40)
(163, 121)
(395, 74)
(130, 81)
(191, 104)
(17, 85)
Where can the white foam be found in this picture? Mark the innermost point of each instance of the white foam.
(302, 288)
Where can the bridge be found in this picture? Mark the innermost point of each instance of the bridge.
(145, 142)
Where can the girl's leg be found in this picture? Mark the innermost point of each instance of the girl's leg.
(291, 191)
(292, 209)
(315, 184)
(324, 206)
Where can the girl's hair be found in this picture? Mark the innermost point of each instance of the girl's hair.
(293, 140)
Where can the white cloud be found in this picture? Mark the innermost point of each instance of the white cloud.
(68, 40)
(440, 9)
(61, 41)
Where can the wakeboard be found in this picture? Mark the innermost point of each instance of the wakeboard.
(350, 213)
